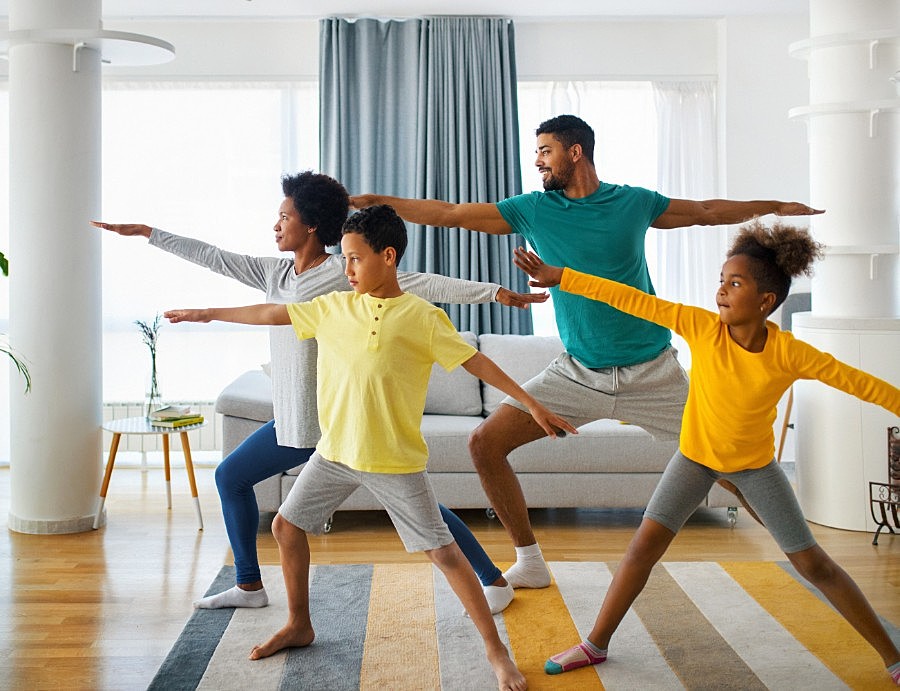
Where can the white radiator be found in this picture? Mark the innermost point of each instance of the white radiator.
(208, 438)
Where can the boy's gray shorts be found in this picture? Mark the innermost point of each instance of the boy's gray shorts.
(685, 483)
(322, 486)
(650, 394)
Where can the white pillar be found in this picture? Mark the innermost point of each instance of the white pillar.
(854, 138)
(55, 294)
(54, 124)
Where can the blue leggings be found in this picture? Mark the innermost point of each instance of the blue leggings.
(259, 457)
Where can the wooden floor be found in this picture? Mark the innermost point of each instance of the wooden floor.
(100, 610)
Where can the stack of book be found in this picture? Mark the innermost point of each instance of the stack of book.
(174, 416)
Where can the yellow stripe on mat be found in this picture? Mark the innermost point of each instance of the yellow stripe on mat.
(539, 625)
(821, 630)
(401, 645)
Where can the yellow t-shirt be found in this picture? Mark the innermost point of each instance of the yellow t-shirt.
(375, 358)
(731, 405)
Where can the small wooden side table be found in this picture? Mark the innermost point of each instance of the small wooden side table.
(141, 425)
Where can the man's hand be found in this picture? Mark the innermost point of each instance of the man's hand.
(126, 229)
(520, 300)
(363, 201)
(195, 315)
(543, 275)
(796, 209)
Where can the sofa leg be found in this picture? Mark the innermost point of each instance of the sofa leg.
(327, 527)
(491, 513)
(732, 515)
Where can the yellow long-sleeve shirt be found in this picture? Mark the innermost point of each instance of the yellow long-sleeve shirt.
(731, 405)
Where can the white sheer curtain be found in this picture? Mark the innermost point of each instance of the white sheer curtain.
(623, 117)
(687, 260)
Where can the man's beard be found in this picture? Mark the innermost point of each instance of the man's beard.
(561, 180)
(553, 183)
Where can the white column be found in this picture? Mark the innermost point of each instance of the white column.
(55, 302)
(854, 139)
(54, 49)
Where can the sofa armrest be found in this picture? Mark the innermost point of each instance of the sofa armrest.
(249, 397)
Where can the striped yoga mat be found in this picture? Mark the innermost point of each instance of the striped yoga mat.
(697, 625)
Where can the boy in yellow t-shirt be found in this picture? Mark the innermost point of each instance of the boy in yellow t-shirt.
(742, 365)
(377, 345)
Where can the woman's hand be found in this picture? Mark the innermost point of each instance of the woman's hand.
(126, 229)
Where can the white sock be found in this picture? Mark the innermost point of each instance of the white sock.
(234, 597)
(529, 571)
(498, 596)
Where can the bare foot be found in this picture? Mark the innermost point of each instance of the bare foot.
(509, 678)
(288, 637)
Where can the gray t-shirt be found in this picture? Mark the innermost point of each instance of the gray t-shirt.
(294, 361)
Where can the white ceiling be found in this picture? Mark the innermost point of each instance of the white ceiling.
(519, 9)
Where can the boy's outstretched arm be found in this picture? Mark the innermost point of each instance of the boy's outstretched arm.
(481, 366)
(543, 275)
(271, 314)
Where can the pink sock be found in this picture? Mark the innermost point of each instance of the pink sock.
(580, 655)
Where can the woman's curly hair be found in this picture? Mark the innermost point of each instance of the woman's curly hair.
(776, 254)
(321, 201)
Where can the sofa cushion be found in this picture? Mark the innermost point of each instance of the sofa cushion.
(521, 357)
(456, 392)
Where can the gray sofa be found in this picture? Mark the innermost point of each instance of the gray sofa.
(607, 465)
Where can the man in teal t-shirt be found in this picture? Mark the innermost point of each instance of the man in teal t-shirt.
(615, 366)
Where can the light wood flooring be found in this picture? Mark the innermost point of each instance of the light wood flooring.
(100, 610)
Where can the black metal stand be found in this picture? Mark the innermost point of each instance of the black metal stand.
(884, 498)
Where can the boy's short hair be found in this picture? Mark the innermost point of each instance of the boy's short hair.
(380, 227)
(321, 201)
(570, 130)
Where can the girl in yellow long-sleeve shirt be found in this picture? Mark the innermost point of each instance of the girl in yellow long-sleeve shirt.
(741, 366)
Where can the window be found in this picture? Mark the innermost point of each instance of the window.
(623, 116)
(202, 160)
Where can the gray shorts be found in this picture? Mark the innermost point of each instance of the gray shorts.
(322, 486)
(685, 483)
(650, 394)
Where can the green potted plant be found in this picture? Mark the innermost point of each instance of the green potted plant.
(4, 347)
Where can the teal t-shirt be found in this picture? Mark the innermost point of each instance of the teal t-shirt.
(601, 234)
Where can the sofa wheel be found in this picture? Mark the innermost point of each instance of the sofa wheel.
(491, 514)
(732, 515)
(327, 526)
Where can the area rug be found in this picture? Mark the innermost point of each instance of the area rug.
(697, 625)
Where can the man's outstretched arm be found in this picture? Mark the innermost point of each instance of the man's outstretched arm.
(484, 218)
(713, 212)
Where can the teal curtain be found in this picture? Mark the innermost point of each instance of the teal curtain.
(426, 108)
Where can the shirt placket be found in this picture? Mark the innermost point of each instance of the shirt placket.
(375, 324)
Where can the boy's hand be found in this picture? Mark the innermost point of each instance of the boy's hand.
(554, 425)
(520, 300)
(544, 275)
(196, 315)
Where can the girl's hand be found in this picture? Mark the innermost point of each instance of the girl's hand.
(544, 275)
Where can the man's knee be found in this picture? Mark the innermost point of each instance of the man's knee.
(506, 429)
